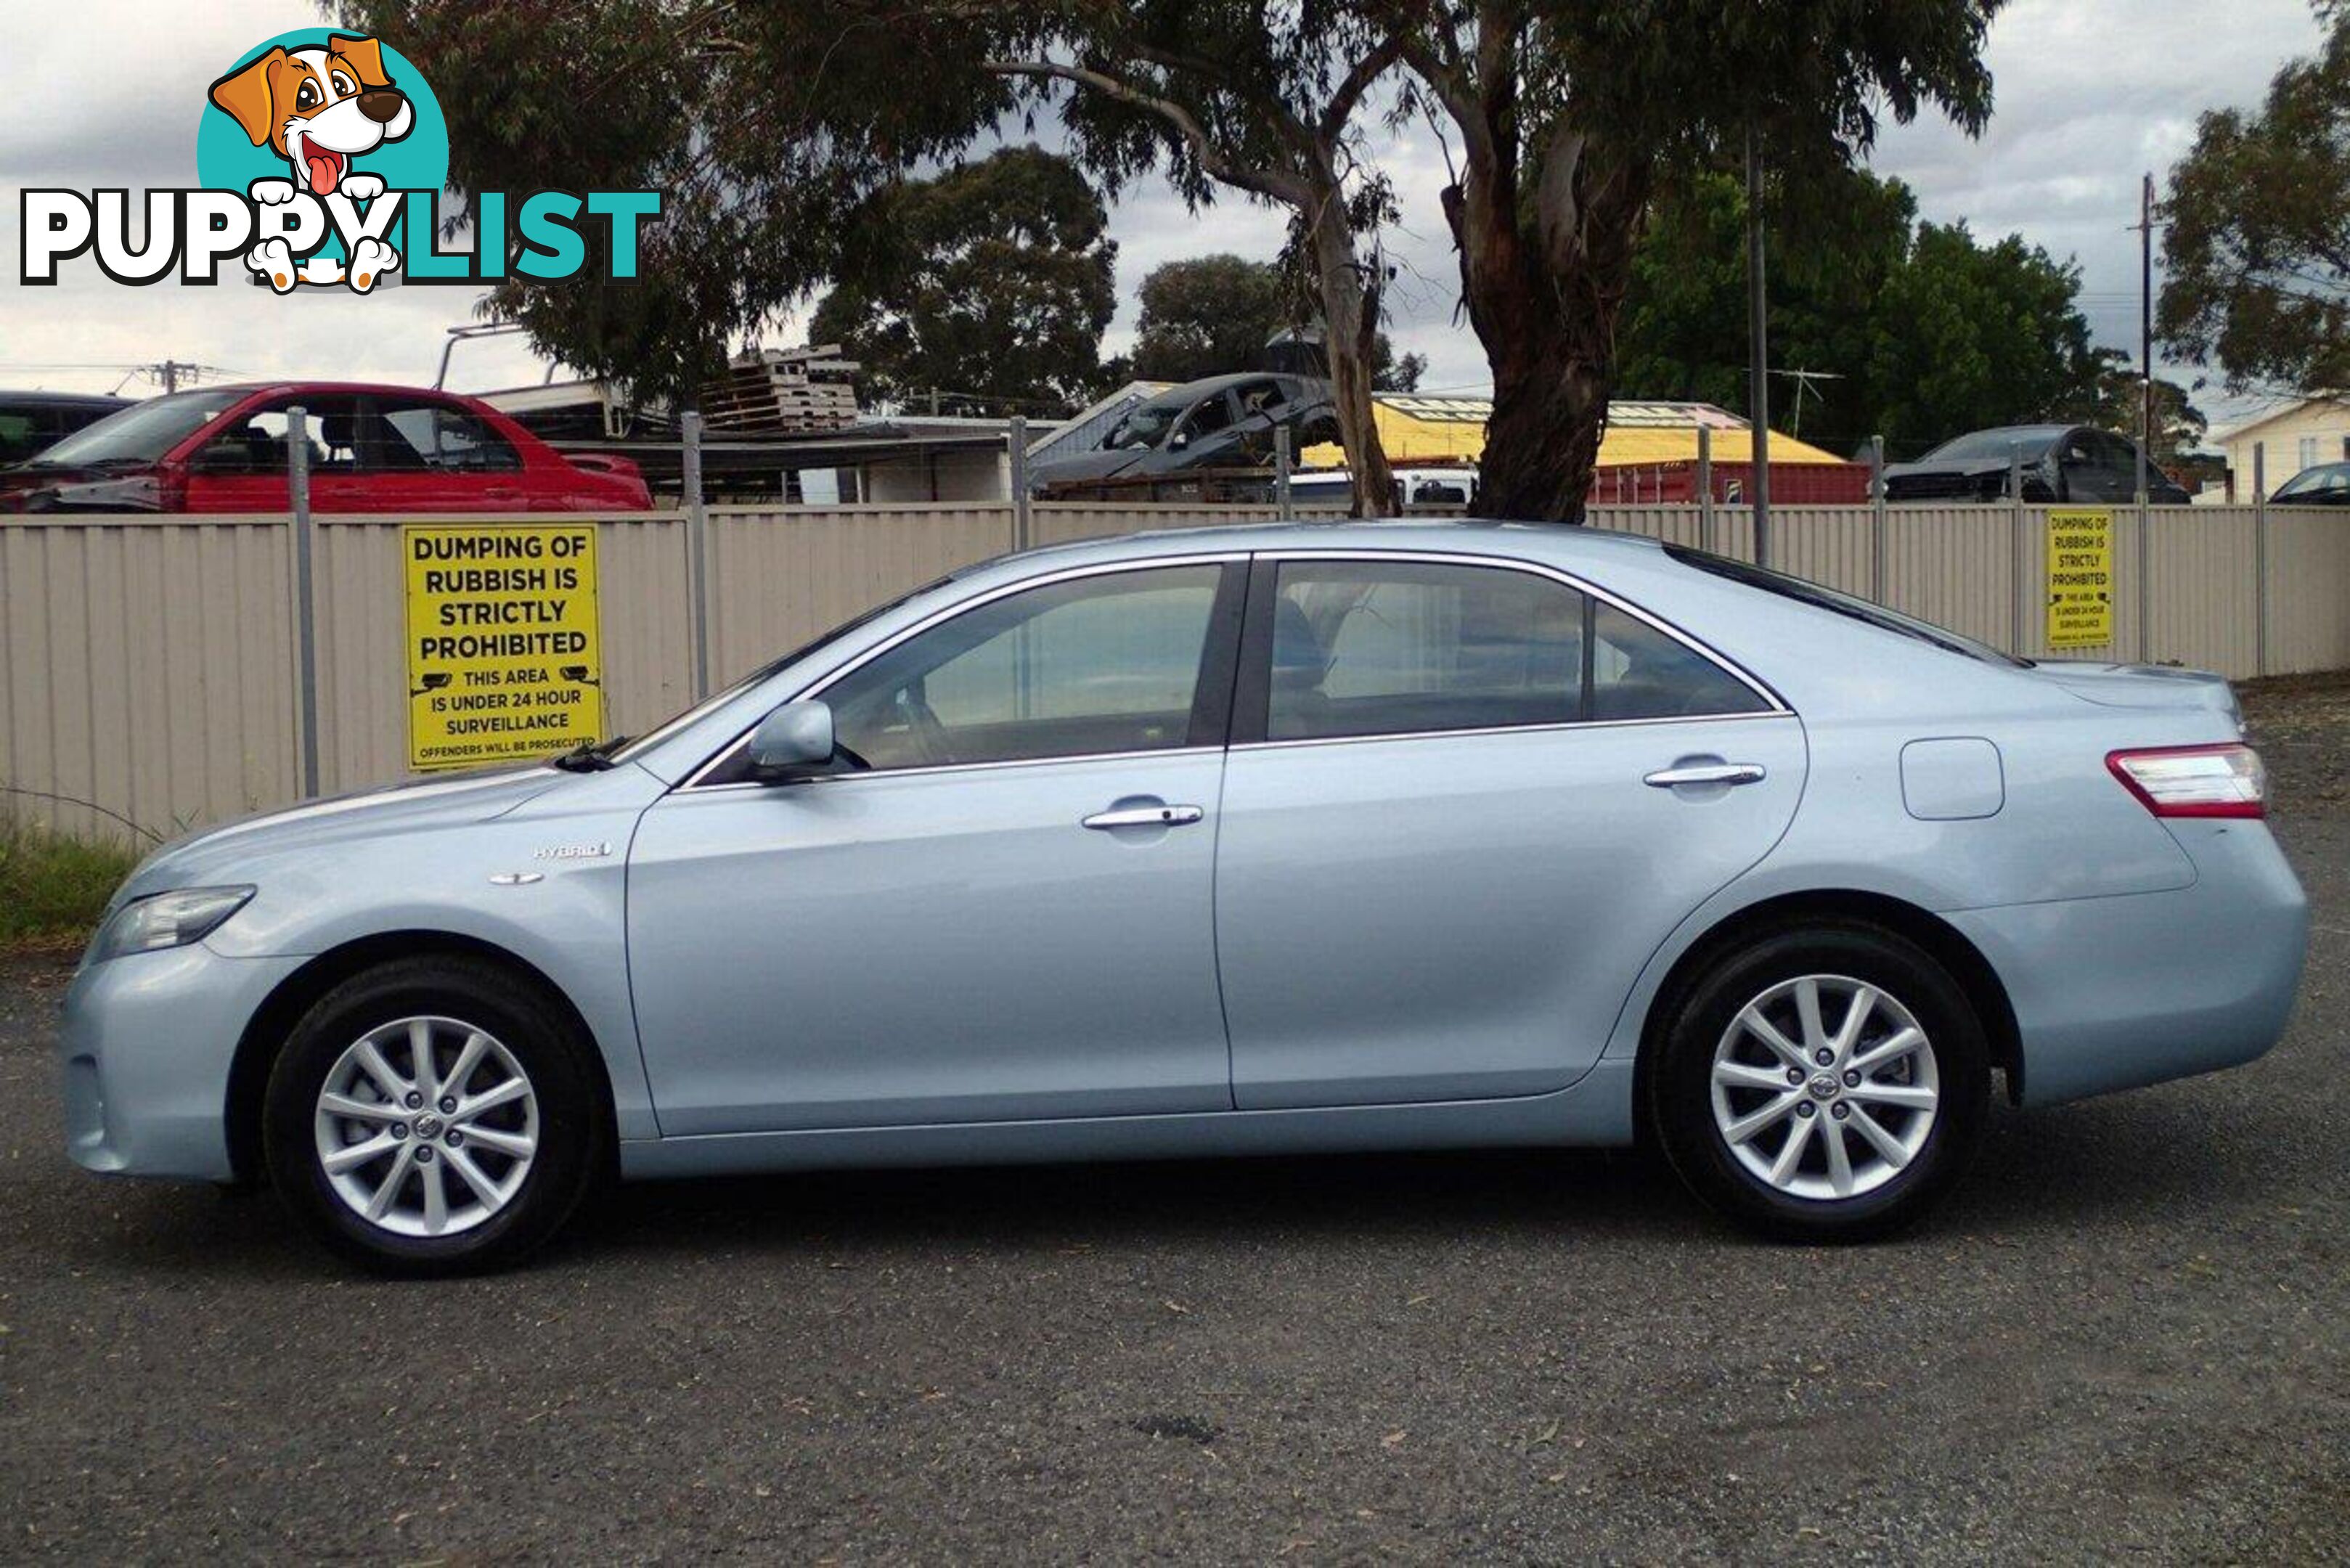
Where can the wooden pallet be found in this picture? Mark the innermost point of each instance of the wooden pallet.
(810, 388)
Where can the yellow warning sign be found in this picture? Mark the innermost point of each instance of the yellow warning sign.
(2080, 576)
(504, 663)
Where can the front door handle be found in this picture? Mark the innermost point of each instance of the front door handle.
(1145, 817)
(1707, 773)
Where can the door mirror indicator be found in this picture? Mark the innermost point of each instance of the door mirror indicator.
(792, 742)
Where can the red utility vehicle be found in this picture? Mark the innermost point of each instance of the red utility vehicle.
(372, 449)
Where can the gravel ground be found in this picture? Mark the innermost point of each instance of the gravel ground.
(2126, 1335)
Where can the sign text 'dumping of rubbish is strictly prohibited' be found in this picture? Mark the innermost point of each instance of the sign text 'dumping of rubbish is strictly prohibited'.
(2080, 587)
(504, 662)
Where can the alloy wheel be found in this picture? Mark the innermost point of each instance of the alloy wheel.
(426, 1126)
(1824, 1087)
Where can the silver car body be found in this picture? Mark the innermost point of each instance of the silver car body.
(1404, 941)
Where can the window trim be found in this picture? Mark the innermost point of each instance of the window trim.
(1220, 661)
(1251, 702)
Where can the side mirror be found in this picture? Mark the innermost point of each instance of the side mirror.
(794, 739)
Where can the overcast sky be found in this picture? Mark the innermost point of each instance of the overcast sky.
(2090, 94)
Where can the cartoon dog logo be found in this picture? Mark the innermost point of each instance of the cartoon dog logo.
(320, 109)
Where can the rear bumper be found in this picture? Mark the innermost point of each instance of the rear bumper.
(2118, 992)
(146, 1046)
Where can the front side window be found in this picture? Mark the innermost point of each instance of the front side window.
(1397, 648)
(261, 442)
(1093, 665)
(1211, 415)
(2116, 454)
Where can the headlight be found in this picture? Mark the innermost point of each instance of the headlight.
(166, 920)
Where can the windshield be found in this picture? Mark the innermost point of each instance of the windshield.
(2332, 476)
(1819, 598)
(143, 432)
(1146, 425)
(2033, 440)
(709, 705)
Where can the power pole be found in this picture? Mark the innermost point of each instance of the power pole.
(2146, 332)
(1758, 367)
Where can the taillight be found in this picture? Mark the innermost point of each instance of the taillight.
(2195, 781)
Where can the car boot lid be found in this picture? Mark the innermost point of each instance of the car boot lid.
(2114, 685)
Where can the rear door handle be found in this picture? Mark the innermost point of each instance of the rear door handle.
(1707, 773)
(1145, 817)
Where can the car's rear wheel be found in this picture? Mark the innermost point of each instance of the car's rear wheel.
(433, 1117)
(1826, 1084)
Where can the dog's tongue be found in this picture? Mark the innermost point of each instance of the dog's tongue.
(324, 166)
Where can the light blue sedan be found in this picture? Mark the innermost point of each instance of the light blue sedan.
(1225, 842)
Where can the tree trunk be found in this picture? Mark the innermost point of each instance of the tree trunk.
(1550, 408)
(1350, 322)
(1543, 280)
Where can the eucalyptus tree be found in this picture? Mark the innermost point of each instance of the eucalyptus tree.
(1569, 117)
(1268, 99)
(986, 285)
(765, 127)
(2257, 250)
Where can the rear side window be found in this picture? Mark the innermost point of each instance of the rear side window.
(1378, 647)
(426, 435)
(1638, 673)
(1365, 647)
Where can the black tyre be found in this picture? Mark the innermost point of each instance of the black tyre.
(1786, 1111)
(434, 1115)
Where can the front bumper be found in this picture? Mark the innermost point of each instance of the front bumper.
(146, 1046)
(2118, 992)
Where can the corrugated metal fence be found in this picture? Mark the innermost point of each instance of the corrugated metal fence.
(150, 668)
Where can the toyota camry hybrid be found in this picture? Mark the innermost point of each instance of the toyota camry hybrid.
(1279, 839)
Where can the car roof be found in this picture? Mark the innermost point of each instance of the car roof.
(2035, 432)
(1559, 543)
(1188, 390)
(290, 384)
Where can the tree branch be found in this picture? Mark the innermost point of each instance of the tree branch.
(1272, 184)
(1357, 82)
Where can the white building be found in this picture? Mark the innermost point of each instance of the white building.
(2292, 436)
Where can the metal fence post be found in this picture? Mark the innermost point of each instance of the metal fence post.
(1024, 523)
(1705, 488)
(2261, 557)
(697, 548)
(1284, 502)
(2016, 617)
(1877, 518)
(305, 610)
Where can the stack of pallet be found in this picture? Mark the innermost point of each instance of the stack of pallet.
(784, 389)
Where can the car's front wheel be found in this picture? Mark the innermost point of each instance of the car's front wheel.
(433, 1117)
(1822, 1084)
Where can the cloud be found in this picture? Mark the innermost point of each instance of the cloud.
(2091, 93)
